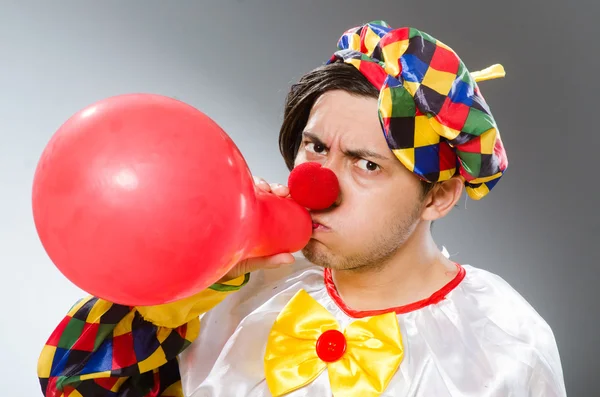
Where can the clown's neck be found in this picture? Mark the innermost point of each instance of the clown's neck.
(416, 271)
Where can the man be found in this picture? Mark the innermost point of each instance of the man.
(374, 308)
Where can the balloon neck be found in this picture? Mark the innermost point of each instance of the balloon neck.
(282, 226)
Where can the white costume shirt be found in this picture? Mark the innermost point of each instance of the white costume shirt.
(482, 340)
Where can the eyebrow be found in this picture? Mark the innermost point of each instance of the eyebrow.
(354, 153)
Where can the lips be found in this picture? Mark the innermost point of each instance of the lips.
(319, 226)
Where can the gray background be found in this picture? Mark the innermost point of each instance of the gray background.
(235, 60)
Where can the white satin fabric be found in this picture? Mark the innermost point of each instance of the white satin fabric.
(483, 340)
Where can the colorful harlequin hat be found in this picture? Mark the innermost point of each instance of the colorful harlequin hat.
(432, 113)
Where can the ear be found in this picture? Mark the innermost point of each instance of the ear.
(442, 198)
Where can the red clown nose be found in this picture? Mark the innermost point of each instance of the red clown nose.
(143, 200)
(313, 186)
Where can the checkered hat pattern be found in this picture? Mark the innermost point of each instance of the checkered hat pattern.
(431, 110)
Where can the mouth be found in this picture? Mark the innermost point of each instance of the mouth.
(317, 226)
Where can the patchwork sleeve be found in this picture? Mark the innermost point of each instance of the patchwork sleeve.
(101, 349)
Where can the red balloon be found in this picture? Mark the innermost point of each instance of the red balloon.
(142, 200)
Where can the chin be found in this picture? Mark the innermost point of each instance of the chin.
(320, 255)
(316, 253)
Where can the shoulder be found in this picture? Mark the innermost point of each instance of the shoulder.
(509, 328)
(490, 295)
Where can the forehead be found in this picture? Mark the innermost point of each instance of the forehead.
(339, 117)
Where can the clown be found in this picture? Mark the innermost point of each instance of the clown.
(372, 307)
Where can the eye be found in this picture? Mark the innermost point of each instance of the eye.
(367, 165)
(318, 148)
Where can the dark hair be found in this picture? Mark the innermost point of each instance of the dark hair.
(302, 96)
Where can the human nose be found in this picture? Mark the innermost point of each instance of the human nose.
(335, 166)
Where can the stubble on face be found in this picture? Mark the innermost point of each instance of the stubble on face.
(376, 250)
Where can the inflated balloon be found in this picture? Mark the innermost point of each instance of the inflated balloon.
(142, 200)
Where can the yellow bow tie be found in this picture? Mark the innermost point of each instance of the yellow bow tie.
(306, 339)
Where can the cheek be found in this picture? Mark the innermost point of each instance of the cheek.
(371, 209)
(364, 211)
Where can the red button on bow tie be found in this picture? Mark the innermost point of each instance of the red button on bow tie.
(331, 346)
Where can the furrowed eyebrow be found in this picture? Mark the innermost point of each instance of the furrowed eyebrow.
(353, 153)
(364, 153)
(312, 137)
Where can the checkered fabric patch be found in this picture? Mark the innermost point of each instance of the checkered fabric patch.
(432, 113)
(109, 350)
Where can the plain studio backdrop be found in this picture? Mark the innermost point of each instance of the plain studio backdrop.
(235, 60)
